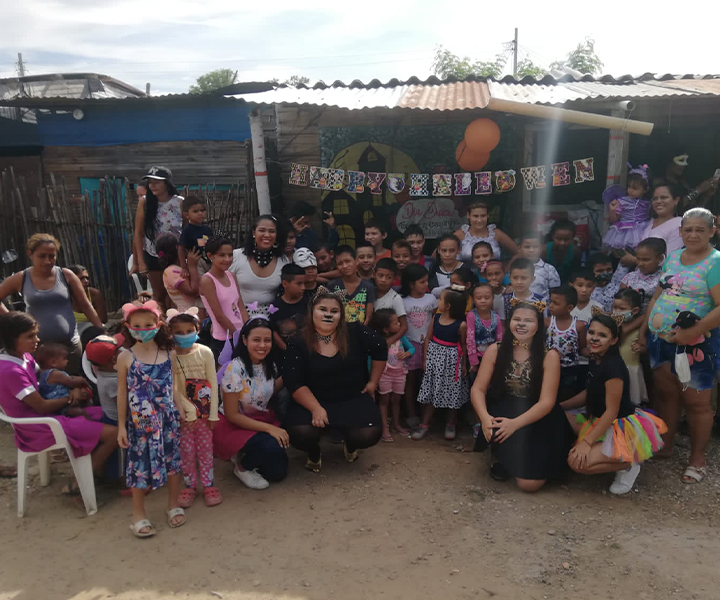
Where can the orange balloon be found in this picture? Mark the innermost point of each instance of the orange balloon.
(469, 160)
(482, 135)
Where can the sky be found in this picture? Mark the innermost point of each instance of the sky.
(169, 43)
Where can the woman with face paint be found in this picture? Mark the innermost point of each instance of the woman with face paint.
(327, 374)
(514, 396)
(690, 284)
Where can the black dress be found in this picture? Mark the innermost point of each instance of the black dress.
(336, 381)
(538, 450)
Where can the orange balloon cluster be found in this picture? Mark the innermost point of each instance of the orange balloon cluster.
(481, 138)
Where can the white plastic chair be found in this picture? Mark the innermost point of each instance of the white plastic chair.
(81, 466)
(139, 288)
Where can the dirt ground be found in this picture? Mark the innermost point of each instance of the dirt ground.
(408, 520)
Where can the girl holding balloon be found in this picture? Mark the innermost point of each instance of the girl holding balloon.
(473, 153)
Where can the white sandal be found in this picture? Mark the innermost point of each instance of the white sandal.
(175, 512)
(139, 526)
(697, 474)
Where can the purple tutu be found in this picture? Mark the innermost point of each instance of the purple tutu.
(628, 231)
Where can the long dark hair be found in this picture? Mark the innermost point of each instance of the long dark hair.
(607, 321)
(151, 207)
(412, 273)
(166, 247)
(278, 248)
(12, 326)
(309, 331)
(241, 350)
(505, 355)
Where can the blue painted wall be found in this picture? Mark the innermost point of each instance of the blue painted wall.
(108, 126)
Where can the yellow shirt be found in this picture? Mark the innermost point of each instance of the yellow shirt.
(198, 364)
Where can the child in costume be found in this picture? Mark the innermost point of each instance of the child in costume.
(629, 214)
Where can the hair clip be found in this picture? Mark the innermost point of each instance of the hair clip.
(538, 305)
(597, 311)
(191, 312)
(458, 288)
(323, 291)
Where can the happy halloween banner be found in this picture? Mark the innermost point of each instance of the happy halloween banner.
(441, 184)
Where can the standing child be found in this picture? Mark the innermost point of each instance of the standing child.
(630, 214)
(447, 251)
(560, 251)
(566, 335)
(402, 254)
(497, 278)
(478, 230)
(386, 272)
(392, 382)
(306, 260)
(444, 383)
(522, 274)
(484, 326)
(646, 277)
(546, 276)
(359, 292)
(194, 235)
(416, 238)
(196, 393)
(627, 304)
(220, 294)
(182, 284)
(583, 281)
(482, 254)
(607, 283)
(365, 254)
(148, 419)
(54, 382)
(375, 235)
(462, 280)
(420, 307)
(292, 303)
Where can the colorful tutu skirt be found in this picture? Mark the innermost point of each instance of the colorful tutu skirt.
(632, 439)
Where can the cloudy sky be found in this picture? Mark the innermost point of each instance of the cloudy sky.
(169, 43)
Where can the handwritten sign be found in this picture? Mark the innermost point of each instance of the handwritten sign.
(435, 216)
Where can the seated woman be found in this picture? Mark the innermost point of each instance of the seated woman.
(20, 398)
(614, 435)
(93, 294)
(514, 396)
(248, 433)
(326, 371)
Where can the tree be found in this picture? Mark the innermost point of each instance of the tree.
(447, 64)
(214, 80)
(582, 59)
(527, 68)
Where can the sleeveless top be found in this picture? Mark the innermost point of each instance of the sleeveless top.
(517, 378)
(167, 221)
(485, 336)
(254, 288)
(467, 243)
(447, 333)
(564, 341)
(228, 299)
(81, 317)
(52, 308)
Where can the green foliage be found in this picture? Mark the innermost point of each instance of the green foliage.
(297, 80)
(447, 64)
(214, 80)
(582, 59)
(527, 68)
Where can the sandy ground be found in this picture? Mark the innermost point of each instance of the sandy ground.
(408, 520)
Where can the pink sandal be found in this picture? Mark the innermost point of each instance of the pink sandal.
(212, 496)
(186, 497)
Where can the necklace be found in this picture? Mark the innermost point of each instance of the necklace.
(263, 258)
(524, 345)
(323, 338)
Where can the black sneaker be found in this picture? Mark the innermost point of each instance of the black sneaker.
(499, 473)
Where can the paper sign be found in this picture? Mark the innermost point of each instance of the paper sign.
(435, 216)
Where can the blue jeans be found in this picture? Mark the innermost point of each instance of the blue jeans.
(703, 373)
(263, 452)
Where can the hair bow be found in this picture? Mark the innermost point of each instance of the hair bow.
(131, 307)
(538, 305)
(597, 311)
(323, 291)
(253, 306)
(191, 312)
(458, 288)
(483, 266)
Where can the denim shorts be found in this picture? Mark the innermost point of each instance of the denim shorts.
(702, 374)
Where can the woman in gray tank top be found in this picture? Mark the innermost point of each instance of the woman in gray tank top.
(48, 291)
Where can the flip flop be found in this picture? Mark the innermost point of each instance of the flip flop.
(141, 524)
(694, 474)
(7, 472)
(175, 512)
(387, 438)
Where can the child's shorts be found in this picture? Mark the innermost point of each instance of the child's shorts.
(415, 362)
(702, 374)
(392, 382)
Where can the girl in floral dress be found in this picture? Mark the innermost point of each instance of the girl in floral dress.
(148, 419)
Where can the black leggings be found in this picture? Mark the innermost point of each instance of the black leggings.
(307, 438)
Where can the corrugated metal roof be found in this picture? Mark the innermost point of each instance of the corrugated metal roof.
(66, 85)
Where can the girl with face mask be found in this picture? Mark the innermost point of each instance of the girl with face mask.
(627, 304)
(197, 402)
(148, 420)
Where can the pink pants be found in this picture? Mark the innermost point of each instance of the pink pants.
(196, 446)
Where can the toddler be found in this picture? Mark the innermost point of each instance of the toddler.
(102, 352)
(629, 214)
(546, 276)
(392, 382)
(627, 304)
(182, 284)
(646, 277)
(54, 382)
(194, 235)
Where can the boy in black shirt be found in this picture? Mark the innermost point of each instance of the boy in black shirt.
(194, 235)
(292, 303)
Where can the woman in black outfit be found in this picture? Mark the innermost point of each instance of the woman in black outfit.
(326, 371)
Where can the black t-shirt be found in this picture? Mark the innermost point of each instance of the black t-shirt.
(610, 367)
(285, 311)
(195, 237)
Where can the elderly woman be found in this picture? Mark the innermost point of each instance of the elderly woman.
(50, 292)
(257, 265)
(690, 284)
(326, 371)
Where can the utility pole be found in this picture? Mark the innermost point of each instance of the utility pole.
(21, 88)
(515, 53)
(20, 65)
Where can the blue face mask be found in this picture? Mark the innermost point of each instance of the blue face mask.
(186, 340)
(144, 335)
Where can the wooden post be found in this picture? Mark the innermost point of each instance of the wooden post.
(618, 147)
(261, 176)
